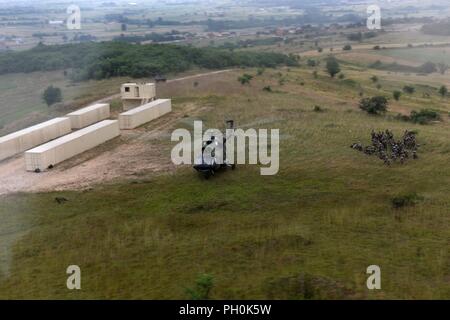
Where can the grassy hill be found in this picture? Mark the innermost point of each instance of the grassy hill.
(309, 232)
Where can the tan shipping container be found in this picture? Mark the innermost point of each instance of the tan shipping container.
(54, 152)
(143, 114)
(89, 115)
(31, 137)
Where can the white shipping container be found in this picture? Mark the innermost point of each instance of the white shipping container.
(143, 114)
(89, 115)
(31, 137)
(54, 152)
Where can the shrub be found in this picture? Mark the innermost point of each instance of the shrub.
(52, 95)
(409, 89)
(311, 63)
(374, 79)
(202, 288)
(406, 200)
(333, 67)
(443, 91)
(245, 78)
(341, 76)
(397, 94)
(318, 109)
(374, 105)
(267, 89)
(347, 47)
(424, 116)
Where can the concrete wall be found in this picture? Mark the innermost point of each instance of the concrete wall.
(54, 152)
(143, 114)
(89, 115)
(25, 139)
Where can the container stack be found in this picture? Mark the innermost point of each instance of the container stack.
(89, 115)
(54, 152)
(31, 137)
(143, 114)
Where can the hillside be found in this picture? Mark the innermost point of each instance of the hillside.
(308, 232)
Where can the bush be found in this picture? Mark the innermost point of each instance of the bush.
(245, 78)
(318, 109)
(374, 79)
(267, 89)
(407, 200)
(52, 95)
(333, 67)
(311, 63)
(443, 91)
(347, 47)
(374, 105)
(397, 94)
(424, 116)
(409, 89)
(341, 76)
(202, 288)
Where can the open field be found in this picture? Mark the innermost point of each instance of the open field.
(308, 232)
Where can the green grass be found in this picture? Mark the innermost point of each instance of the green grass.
(309, 232)
(21, 103)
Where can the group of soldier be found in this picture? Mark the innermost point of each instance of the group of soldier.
(388, 149)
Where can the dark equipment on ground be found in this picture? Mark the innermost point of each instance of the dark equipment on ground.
(390, 150)
(209, 163)
(160, 78)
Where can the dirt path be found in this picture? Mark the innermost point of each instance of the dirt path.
(134, 154)
(117, 96)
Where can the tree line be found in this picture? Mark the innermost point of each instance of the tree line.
(115, 58)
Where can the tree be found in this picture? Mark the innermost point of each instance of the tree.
(52, 95)
(397, 94)
(443, 91)
(245, 79)
(333, 67)
(374, 105)
(123, 27)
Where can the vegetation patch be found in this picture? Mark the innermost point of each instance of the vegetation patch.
(406, 200)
